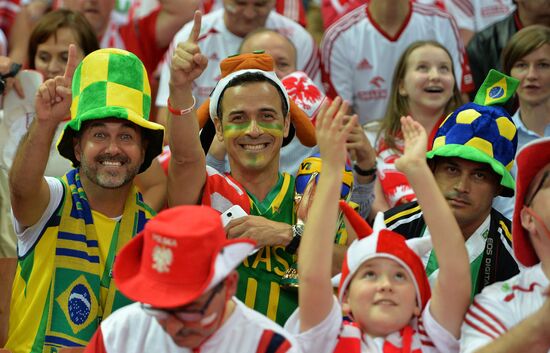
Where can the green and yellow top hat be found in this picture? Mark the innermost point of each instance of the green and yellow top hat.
(111, 83)
(483, 131)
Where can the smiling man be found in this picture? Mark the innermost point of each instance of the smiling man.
(472, 155)
(181, 272)
(69, 229)
(252, 114)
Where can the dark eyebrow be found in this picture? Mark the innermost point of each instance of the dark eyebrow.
(267, 109)
(272, 110)
(451, 162)
(484, 168)
(99, 123)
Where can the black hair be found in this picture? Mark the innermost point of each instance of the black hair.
(251, 77)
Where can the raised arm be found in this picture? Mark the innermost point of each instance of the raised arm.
(29, 190)
(315, 256)
(186, 172)
(451, 292)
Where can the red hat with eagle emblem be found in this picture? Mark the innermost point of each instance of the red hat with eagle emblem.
(180, 254)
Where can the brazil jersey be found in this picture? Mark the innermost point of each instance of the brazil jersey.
(260, 274)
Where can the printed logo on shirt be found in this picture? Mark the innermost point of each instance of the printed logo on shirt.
(516, 288)
(214, 57)
(377, 81)
(376, 93)
(364, 65)
(494, 10)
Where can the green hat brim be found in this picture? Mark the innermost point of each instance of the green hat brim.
(153, 133)
(473, 154)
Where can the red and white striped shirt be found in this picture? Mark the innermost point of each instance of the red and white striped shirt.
(332, 335)
(501, 306)
(359, 57)
(130, 329)
(217, 43)
(476, 15)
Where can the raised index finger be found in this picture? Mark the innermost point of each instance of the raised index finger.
(196, 30)
(72, 62)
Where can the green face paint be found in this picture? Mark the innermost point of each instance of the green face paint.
(250, 159)
(232, 130)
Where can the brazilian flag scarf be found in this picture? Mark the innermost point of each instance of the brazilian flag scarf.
(80, 282)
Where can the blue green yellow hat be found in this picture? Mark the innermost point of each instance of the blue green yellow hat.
(111, 83)
(483, 131)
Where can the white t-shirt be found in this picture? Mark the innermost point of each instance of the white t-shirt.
(476, 15)
(359, 59)
(130, 329)
(501, 306)
(217, 43)
(27, 237)
(324, 337)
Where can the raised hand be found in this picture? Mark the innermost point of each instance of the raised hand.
(416, 141)
(361, 151)
(54, 97)
(333, 131)
(188, 62)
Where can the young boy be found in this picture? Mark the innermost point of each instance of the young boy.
(384, 288)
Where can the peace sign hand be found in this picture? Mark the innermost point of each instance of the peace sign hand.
(188, 62)
(54, 96)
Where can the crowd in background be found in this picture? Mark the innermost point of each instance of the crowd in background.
(114, 111)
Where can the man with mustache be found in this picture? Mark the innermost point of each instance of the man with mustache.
(471, 158)
(181, 272)
(69, 229)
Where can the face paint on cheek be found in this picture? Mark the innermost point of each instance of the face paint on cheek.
(275, 129)
(234, 130)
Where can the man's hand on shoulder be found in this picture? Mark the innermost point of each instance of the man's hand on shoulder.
(264, 231)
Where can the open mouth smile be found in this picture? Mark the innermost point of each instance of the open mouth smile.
(433, 89)
(254, 147)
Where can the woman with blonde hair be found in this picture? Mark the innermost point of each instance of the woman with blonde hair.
(424, 87)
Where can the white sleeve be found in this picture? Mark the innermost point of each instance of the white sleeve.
(443, 340)
(163, 90)
(486, 320)
(335, 59)
(321, 338)
(27, 237)
(463, 13)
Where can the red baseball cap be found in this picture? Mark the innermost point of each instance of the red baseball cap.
(180, 254)
(530, 159)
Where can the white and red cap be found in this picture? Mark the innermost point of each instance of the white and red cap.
(180, 254)
(531, 158)
(382, 242)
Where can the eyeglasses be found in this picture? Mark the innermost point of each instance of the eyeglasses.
(182, 314)
(539, 186)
